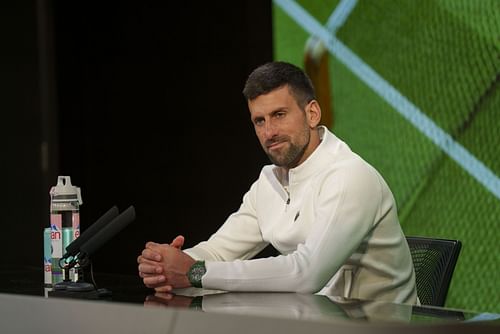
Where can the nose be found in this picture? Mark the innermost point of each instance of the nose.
(269, 130)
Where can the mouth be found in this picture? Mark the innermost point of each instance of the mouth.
(275, 145)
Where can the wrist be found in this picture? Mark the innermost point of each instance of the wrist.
(196, 272)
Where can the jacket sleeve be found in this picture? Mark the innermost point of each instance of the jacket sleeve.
(348, 204)
(238, 238)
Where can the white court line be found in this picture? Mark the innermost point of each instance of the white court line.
(400, 103)
(340, 15)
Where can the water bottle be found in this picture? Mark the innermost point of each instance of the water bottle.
(65, 201)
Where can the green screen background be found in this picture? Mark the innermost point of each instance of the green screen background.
(444, 56)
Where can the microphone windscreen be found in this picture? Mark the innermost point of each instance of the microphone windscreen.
(109, 231)
(74, 247)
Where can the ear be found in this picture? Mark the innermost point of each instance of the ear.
(313, 113)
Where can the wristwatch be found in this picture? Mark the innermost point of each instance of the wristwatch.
(196, 272)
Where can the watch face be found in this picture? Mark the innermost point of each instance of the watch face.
(196, 272)
(199, 270)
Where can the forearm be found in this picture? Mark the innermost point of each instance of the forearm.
(278, 274)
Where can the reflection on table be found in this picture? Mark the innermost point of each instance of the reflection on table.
(310, 307)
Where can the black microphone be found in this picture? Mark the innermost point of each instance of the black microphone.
(74, 247)
(108, 232)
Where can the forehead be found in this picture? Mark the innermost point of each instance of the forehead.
(280, 98)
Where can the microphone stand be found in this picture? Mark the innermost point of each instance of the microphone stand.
(76, 287)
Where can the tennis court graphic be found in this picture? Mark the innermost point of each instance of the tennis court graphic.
(413, 88)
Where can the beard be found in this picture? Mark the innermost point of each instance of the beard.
(289, 157)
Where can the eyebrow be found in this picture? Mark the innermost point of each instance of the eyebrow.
(273, 112)
(278, 110)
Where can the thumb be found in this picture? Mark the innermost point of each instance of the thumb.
(178, 242)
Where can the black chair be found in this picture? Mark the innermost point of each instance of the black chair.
(434, 261)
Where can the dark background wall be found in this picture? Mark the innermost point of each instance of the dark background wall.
(140, 104)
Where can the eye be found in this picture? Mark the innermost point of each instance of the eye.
(258, 121)
(279, 114)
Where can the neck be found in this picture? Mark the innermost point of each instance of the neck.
(314, 142)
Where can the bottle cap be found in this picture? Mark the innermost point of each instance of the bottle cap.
(65, 191)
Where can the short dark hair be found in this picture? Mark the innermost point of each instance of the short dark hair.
(277, 74)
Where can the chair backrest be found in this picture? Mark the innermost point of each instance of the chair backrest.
(434, 261)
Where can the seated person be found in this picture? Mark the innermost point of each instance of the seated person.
(328, 212)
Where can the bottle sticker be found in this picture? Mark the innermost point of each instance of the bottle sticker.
(56, 235)
(76, 225)
(47, 256)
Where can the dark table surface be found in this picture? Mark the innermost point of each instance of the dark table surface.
(128, 289)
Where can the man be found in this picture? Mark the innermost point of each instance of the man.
(328, 212)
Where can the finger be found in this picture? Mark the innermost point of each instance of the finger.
(178, 242)
(151, 244)
(141, 274)
(150, 269)
(154, 281)
(142, 260)
(164, 288)
(151, 255)
(147, 275)
(157, 248)
(151, 286)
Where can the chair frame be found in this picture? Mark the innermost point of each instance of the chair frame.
(448, 251)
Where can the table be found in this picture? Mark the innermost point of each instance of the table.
(25, 306)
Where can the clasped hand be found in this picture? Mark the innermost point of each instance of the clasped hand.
(163, 267)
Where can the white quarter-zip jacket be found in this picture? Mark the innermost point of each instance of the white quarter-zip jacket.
(335, 225)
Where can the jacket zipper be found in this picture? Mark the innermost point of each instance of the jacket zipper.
(287, 200)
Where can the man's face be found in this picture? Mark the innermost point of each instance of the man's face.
(282, 127)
